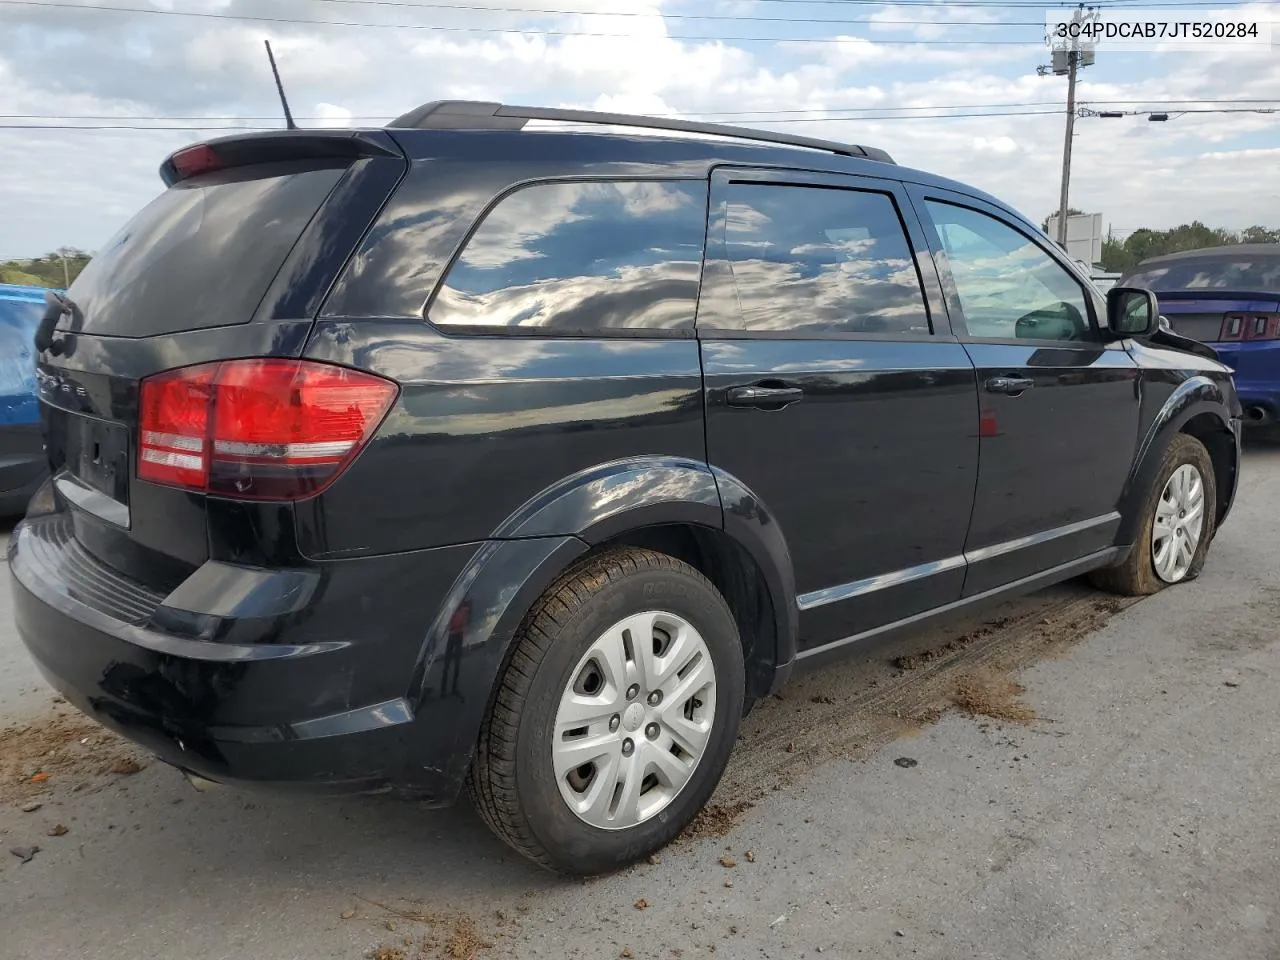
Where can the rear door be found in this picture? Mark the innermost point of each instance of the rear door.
(1059, 403)
(835, 393)
(231, 262)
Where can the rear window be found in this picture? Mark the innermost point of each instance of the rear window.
(586, 258)
(201, 254)
(1256, 274)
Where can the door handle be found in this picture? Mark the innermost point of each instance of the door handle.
(764, 397)
(1011, 386)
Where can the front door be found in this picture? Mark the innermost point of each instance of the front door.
(1059, 402)
(832, 398)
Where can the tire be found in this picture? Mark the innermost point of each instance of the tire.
(1137, 575)
(555, 660)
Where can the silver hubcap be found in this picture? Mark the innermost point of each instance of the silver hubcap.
(634, 720)
(1178, 524)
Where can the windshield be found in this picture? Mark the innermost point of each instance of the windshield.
(1255, 274)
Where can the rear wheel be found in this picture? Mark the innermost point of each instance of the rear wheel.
(1177, 527)
(615, 717)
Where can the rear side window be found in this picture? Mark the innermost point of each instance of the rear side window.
(581, 259)
(201, 254)
(817, 260)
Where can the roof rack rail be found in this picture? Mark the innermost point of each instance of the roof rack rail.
(482, 115)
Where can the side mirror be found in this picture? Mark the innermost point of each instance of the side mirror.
(1132, 311)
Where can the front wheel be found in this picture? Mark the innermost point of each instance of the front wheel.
(616, 714)
(1177, 527)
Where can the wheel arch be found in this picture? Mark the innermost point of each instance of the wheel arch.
(1197, 407)
(676, 506)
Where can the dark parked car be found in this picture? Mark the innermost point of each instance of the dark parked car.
(459, 453)
(22, 461)
(1229, 298)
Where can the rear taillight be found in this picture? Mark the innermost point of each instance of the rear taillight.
(266, 429)
(1250, 326)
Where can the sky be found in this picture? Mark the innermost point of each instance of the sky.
(849, 70)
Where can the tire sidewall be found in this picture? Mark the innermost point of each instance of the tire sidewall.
(572, 844)
(1185, 450)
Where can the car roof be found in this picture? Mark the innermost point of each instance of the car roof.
(662, 149)
(1216, 253)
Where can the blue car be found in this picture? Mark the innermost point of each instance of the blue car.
(23, 466)
(1228, 298)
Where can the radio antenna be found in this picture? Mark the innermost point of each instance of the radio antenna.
(288, 117)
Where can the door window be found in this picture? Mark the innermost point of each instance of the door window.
(1009, 288)
(818, 260)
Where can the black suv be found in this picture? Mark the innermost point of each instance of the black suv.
(457, 452)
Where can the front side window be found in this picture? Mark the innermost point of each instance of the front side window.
(1009, 288)
(581, 258)
(818, 260)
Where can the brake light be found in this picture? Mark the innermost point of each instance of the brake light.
(195, 160)
(266, 429)
(1251, 326)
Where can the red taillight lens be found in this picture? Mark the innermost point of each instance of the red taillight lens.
(194, 160)
(1251, 326)
(265, 429)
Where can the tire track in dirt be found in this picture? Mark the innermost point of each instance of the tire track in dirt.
(849, 709)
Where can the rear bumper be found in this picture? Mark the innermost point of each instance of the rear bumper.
(329, 695)
(1256, 372)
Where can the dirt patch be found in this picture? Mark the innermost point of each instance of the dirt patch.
(433, 935)
(849, 709)
(717, 819)
(985, 693)
(62, 750)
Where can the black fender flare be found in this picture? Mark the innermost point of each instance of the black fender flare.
(489, 599)
(1194, 396)
(607, 500)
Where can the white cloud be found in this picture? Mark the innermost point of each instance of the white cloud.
(75, 187)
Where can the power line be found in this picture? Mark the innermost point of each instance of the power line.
(924, 4)
(276, 126)
(544, 11)
(763, 116)
(440, 28)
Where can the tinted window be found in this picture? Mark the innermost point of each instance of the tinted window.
(817, 260)
(1008, 286)
(1259, 273)
(582, 258)
(201, 254)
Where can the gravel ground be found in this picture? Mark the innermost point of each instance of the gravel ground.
(1118, 800)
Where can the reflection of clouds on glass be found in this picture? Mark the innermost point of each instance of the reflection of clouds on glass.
(1001, 276)
(814, 259)
(582, 257)
(658, 297)
(1231, 271)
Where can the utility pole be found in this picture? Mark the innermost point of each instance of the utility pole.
(1069, 55)
(1063, 206)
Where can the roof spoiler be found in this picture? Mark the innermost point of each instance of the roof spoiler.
(274, 147)
(483, 115)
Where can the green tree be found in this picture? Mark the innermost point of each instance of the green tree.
(1123, 256)
(57, 269)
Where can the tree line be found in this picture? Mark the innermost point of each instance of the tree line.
(56, 270)
(1121, 256)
